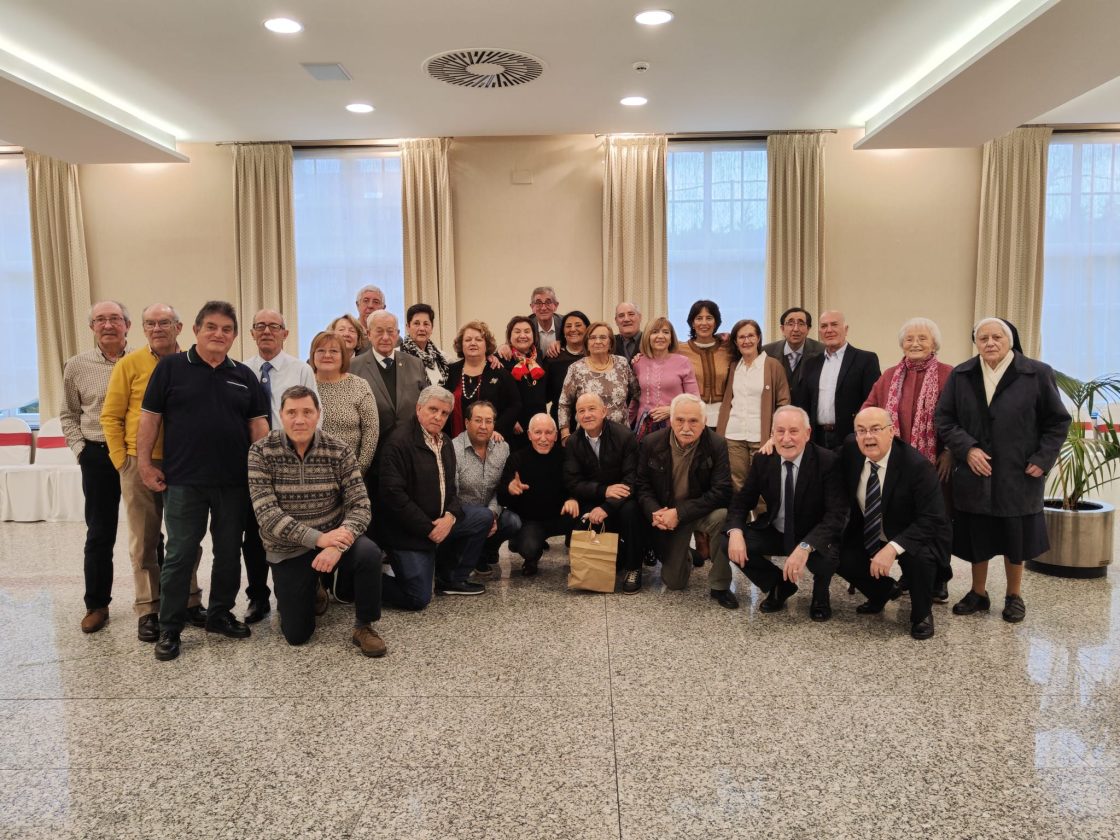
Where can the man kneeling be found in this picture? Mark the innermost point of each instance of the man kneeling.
(313, 510)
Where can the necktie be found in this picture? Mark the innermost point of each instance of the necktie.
(872, 511)
(266, 384)
(387, 362)
(794, 358)
(790, 537)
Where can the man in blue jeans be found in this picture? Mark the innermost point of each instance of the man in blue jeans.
(211, 409)
(419, 509)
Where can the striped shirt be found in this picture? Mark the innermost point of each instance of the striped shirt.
(85, 379)
(297, 500)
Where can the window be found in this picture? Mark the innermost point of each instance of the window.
(717, 229)
(19, 360)
(1081, 274)
(347, 205)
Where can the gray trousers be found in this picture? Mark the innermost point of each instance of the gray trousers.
(672, 548)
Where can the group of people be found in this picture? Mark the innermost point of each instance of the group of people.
(378, 472)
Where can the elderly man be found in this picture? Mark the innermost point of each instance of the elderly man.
(419, 509)
(600, 468)
(211, 409)
(311, 503)
(532, 485)
(897, 515)
(479, 461)
(396, 379)
(369, 299)
(805, 512)
(835, 383)
(628, 319)
(277, 371)
(543, 302)
(120, 420)
(796, 347)
(85, 380)
(684, 485)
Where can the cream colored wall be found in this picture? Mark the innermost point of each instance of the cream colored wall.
(162, 232)
(900, 241)
(510, 237)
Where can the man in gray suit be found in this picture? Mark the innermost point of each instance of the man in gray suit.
(797, 347)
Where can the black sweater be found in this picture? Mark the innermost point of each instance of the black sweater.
(545, 476)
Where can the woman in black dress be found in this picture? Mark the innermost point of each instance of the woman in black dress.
(526, 368)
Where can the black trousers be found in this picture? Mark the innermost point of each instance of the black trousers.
(766, 575)
(101, 485)
(626, 522)
(534, 533)
(358, 571)
(920, 570)
(256, 566)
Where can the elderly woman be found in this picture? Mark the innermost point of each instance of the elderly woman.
(419, 320)
(602, 373)
(573, 347)
(349, 409)
(710, 357)
(353, 334)
(756, 387)
(1001, 416)
(662, 374)
(471, 378)
(526, 368)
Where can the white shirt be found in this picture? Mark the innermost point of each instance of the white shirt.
(546, 338)
(287, 371)
(595, 442)
(745, 420)
(861, 491)
(826, 392)
(779, 520)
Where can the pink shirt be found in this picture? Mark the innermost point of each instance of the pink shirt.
(662, 379)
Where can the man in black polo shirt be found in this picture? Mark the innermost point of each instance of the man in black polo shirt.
(211, 409)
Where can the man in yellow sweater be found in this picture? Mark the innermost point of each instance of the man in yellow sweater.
(120, 419)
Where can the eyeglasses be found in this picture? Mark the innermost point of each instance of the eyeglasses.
(261, 327)
(102, 320)
(163, 325)
(792, 322)
(874, 430)
(544, 303)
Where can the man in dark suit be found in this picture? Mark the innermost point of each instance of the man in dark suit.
(897, 513)
(796, 348)
(835, 383)
(805, 513)
(628, 319)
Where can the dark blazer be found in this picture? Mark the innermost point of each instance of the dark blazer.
(587, 476)
(912, 504)
(408, 489)
(776, 350)
(820, 502)
(411, 380)
(497, 387)
(709, 476)
(1025, 424)
(620, 346)
(858, 374)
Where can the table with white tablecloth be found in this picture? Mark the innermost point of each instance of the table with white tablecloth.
(41, 493)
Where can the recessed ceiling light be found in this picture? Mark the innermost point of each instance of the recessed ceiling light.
(359, 108)
(654, 17)
(633, 101)
(283, 26)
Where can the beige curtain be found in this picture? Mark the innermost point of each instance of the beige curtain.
(635, 249)
(795, 224)
(62, 295)
(266, 245)
(1012, 213)
(429, 244)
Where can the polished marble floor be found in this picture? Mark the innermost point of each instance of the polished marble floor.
(532, 712)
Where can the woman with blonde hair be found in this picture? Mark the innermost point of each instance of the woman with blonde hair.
(662, 374)
(353, 334)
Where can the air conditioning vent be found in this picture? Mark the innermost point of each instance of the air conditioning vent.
(484, 68)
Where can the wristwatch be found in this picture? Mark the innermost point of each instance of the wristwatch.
(804, 546)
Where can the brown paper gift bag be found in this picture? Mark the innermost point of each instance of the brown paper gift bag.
(592, 556)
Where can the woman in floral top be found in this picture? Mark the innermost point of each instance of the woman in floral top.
(599, 373)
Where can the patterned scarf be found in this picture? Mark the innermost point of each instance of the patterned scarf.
(923, 436)
(430, 356)
(527, 366)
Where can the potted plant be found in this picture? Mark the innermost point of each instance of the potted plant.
(1081, 528)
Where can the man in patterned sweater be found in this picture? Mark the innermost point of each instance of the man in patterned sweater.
(313, 510)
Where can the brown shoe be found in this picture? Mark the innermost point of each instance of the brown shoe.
(367, 639)
(321, 600)
(95, 620)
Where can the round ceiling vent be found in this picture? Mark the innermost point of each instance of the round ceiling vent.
(484, 68)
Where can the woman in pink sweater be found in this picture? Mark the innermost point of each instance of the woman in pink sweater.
(662, 374)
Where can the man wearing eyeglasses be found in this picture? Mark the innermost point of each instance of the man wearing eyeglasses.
(897, 515)
(543, 302)
(120, 420)
(277, 371)
(85, 379)
(796, 347)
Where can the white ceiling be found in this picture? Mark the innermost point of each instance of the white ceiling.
(206, 70)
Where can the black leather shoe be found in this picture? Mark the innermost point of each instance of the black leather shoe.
(167, 648)
(971, 603)
(941, 593)
(1014, 609)
(725, 598)
(529, 568)
(777, 597)
(922, 629)
(227, 625)
(870, 607)
(821, 608)
(257, 611)
(196, 616)
(696, 558)
(147, 628)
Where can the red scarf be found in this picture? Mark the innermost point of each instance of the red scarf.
(527, 366)
(923, 436)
